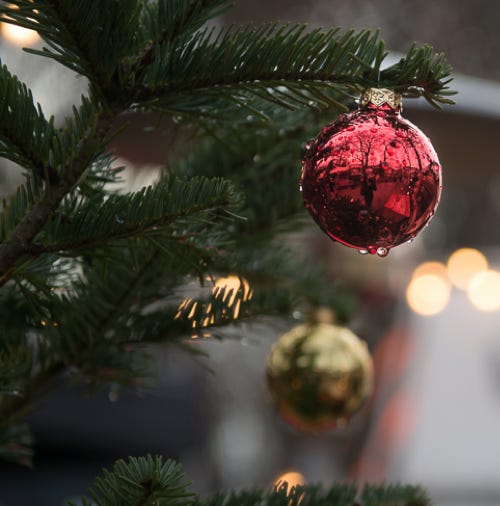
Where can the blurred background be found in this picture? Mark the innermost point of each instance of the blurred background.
(430, 311)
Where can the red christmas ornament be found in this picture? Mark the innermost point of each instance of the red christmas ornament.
(371, 179)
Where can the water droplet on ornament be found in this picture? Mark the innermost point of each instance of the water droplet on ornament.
(256, 158)
(372, 250)
(350, 128)
(363, 251)
(382, 252)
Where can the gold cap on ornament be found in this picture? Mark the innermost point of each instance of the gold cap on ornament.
(381, 96)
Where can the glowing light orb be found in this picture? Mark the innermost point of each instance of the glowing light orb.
(484, 290)
(428, 294)
(464, 264)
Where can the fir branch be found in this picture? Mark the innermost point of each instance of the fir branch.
(146, 212)
(314, 495)
(422, 72)
(151, 480)
(140, 481)
(90, 38)
(20, 240)
(16, 206)
(25, 134)
(169, 19)
(282, 64)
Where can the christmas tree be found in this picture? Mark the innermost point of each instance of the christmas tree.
(92, 276)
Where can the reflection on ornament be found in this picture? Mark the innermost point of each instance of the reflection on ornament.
(231, 291)
(371, 180)
(428, 294)
(484, 290)
(17, 34)
(319, 375)
(464, 264)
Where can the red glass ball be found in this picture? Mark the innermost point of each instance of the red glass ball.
(371, 179)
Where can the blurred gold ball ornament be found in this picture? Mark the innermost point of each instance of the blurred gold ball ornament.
(319, 375)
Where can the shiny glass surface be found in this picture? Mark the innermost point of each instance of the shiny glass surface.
(371, 179)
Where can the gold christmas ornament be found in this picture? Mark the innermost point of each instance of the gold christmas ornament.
(319, 375)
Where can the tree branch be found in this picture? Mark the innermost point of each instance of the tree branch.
(20, 242)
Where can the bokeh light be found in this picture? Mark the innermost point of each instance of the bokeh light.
(435, 268)
(231, 286)
(231, 290)
(464, 264)
(484, 290)
(428, 294)
(293, 478)
(17, 34)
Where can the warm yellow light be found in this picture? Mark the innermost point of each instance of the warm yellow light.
(484, 290)
(19, 35)
(428, 294)
(231, 285)
(464, 264)
(293, 478)
(232, 290)
(435, 268)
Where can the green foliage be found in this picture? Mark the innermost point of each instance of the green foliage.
(89, 38)
(90, 278)
(84, 223)
(141, 481)
(18, 204)
(424, 73)
(24, 131)
(281, 64)
(166, 20)
(152, 481)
